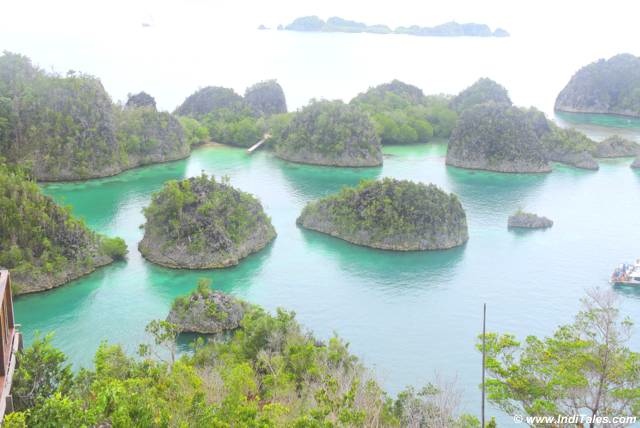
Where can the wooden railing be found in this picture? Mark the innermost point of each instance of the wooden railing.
(10, 343)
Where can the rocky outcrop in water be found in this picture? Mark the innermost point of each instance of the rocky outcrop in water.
(617, 147)
(266, 98)
(330, 133)
(200, 223)
(606, 86)
(207, 311)
(525, 220)
(636, 163)
(390, 214)
(496, 137)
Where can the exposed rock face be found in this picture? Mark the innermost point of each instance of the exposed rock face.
(483, 91)
(207, 312)
(526, 220)
(606, 86)
(391, 215)
(616, 147)
(330, 133)
(496, 137)
(200, 223)
(266, 98)
(636, 163)
(210, 99)
(141, 99)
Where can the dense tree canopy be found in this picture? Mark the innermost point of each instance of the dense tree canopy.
(229, 118)
(267, 373)
(42, 243)
(584, 368)
(404, 115)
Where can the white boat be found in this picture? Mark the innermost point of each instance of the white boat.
(627, 274)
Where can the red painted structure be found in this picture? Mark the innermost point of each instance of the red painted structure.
(10, 343)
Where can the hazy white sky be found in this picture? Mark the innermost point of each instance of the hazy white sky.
(194, 43)
(611, 18)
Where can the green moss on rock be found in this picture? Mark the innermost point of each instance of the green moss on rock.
(390, 214)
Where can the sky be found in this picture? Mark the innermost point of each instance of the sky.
(614, 17)
(194, 43)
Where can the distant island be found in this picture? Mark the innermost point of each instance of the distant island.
(390, 214)
(606, 86)
(339, 25)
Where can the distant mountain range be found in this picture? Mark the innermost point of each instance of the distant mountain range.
(340, 25)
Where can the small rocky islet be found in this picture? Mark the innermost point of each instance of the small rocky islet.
(202, 223)
(607, 86)
(207, 311)
(525, 220)
(390, 214)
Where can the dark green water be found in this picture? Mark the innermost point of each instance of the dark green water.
(407, 315)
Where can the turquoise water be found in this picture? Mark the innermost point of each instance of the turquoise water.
(600, 126)
(407, 315)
